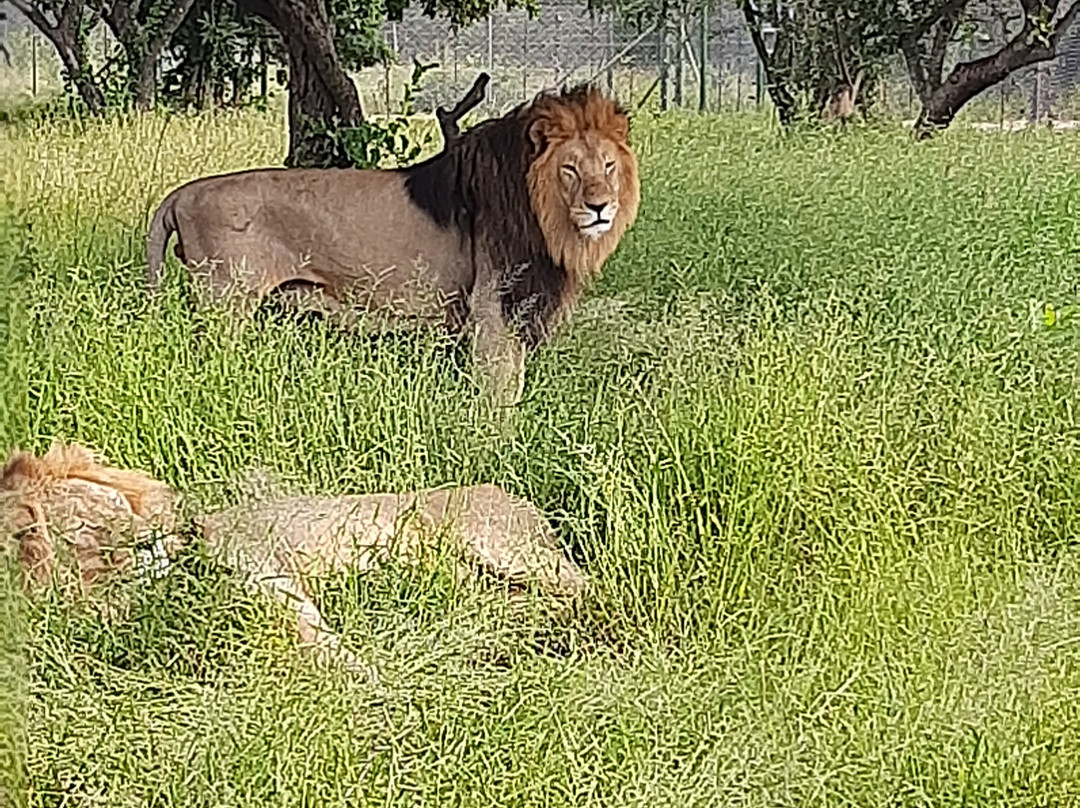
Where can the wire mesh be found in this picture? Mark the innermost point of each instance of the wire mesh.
(696, 61)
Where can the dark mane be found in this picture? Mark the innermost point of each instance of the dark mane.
(478, 187)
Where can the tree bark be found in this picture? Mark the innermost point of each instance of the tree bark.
(64, 35)
(781, 96)
(942, 100)
(144, 82)
(322, 98)
(142, 44)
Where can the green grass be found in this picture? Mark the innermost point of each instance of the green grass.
(813, 435)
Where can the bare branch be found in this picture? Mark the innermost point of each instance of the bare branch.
(1067, 19)
(35, 16)
(448, 121)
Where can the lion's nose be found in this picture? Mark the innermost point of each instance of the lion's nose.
(596, 207)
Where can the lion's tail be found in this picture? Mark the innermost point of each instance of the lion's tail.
(162, 226)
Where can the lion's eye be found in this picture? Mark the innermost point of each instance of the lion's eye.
(569, 170)
(609, 166)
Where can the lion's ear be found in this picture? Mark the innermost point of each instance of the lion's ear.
(538, 136)
(622, 127)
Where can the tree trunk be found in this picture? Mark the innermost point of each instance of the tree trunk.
(77, 69)
(942, 100)
(314, 116)
(64, 36)
(143, 43)
(89, 92)
(144, 81)
(781, 96)
(322, 98)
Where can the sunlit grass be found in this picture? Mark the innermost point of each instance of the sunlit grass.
(812, 434)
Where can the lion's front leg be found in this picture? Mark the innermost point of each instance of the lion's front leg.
(315, 634)
(498, 354)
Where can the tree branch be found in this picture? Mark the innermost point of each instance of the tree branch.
(1062, 26)
(781, 96)
(968, 79)
(118, 15)
(178, 11)
(32, 13)
(943, 34)
(913, 58)
(448, 121)
(1020, 51)
(949, 8)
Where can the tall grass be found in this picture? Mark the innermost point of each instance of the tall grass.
(814, 435)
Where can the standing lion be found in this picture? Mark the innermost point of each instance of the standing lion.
(497, 235)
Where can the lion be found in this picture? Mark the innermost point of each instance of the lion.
(103, 513)
(122, 521)
(495, 237)
(840, 105)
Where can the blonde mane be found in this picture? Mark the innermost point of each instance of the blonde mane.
(70, 488)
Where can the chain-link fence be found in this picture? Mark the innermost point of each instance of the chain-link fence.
(565, 42)
(703, 60)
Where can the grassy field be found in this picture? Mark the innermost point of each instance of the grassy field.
(814, 435)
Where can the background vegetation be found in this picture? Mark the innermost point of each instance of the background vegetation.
(814, 435)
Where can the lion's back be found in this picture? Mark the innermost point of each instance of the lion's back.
(339, 228)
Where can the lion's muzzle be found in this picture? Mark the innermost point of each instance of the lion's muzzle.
(596, 218)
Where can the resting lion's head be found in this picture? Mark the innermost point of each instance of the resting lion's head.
(583, 178)
(66, 511)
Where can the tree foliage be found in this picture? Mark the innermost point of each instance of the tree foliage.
(219, 54)
(144, 28)
(813, 51)
(66, 24)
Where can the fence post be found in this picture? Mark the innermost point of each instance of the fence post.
(33, 63)
(720, 59)
(759, 81)
(525, 59)
(610, 53)
(703, 56)
(263, 69)
(387, 75)
(680, 55)
(661, 31)
(491, 58)
(1033, 115)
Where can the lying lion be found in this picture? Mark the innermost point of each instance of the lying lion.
(67, 512)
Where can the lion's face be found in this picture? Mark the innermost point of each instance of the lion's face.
(583, 179)
(66, 512)
(589, 172)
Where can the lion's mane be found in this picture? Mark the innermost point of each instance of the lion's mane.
(497, 188)
(69, 492)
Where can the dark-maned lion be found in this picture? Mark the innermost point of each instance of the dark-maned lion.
(68, 514)
(498, 233)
